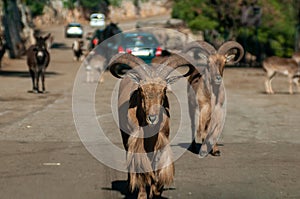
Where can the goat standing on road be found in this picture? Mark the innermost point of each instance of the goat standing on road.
(206, 93)
(38, 59)
(144, 120)
(77, 50)
(286, 66)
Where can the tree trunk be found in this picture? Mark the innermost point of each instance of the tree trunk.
(13, 27)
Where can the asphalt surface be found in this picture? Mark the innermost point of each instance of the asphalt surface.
(42, 156)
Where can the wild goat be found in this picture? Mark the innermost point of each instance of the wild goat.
(206, 93)
(49, 43)
(143, 108)
(38, 59)
(286, 66)
(94, 62)
(77, 50)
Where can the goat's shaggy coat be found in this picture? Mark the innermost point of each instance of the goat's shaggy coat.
(144, 120)
(38, 59)
(206, 93)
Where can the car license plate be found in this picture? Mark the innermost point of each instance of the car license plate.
(141, 53)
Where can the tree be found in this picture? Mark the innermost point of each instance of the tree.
(13, 27)
(266, 26)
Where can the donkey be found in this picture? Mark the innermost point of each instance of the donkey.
(38, 59)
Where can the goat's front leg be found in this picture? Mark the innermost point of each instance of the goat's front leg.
(268, 82)
(156, 191)
(296, 81)
(142, 193)
(291, 85)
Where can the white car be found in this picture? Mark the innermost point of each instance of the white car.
(97, 20)
(74, 30)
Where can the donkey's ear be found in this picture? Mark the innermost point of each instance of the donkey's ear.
(47, 36)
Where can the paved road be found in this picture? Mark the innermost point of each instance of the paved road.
(42, 156)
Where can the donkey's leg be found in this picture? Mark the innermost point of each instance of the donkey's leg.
(32, 74)
(43, 81)
(37, 79)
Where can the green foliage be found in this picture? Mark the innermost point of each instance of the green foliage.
(36, 7)
(116, 3)
(274, 35)
(69, 4)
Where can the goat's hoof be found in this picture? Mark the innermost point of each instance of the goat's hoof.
(216, 153)
(203, 154)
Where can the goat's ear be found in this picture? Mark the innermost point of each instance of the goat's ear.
(229, 58)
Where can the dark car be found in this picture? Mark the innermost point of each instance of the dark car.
(141, 44)
(74, 30)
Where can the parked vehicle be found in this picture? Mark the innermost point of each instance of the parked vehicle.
(74, 29)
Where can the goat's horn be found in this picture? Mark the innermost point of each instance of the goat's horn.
(127, 59)
(204, 46)
(176, 61)
(226, 47)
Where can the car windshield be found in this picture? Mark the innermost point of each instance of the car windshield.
(74, 25)
(97, 17)
(140, 40)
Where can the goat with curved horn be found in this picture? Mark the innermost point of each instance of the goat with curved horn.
(200, 44)
(143, 111)
(230, 45)
(207, 94)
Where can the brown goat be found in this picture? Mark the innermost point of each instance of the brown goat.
(286, 66)
(144, 120)
(206, 93)
(38, 59)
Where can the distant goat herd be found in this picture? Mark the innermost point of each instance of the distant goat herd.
(143, 104)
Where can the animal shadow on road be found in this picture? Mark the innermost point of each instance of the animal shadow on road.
(122, 187)
(22, 74)
(188, 146)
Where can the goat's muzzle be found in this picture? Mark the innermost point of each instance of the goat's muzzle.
(218, 79)
(152, 119)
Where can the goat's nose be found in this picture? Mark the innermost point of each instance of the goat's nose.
(152, 118)
(218, 79)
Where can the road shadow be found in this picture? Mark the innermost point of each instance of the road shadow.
(196, 150)
(279, 93)
(62, 46)
(122, 187)
(22, 74)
